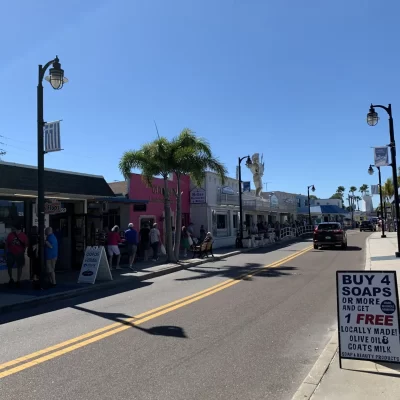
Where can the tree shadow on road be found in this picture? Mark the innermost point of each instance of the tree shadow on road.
(124, 319)
(244, 272)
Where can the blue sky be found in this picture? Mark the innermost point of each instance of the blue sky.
(292, 80)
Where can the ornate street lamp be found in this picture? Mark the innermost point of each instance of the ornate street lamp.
(371, 172)
(312, 187)
(248, 163)
(372, 120)
(57, 80)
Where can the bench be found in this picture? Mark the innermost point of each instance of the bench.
(203, 249)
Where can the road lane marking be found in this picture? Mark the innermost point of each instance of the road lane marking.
(102, 333)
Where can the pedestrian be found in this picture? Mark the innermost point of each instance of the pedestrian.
(51, 255)
(33, 254)
(131, 241)
(113, 239)
(185, 235)
(15, 246)
(144, 240)
(155, 241)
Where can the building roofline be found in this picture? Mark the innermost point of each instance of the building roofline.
(50, 169)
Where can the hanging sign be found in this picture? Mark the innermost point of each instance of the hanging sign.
(368, 315)
(95, 266)
(198, 196)
(381, 156)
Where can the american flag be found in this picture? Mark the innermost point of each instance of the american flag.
(52, 139)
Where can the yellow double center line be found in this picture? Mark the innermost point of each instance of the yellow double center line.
(49, 353)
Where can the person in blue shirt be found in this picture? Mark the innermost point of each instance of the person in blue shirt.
(131, 238)
(51, 255)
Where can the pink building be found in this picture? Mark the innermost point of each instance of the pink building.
(153, 211)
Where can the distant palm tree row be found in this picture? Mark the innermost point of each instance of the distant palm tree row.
(339, 194)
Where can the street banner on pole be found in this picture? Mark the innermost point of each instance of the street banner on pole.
(52, 138)
(246, 186)
(368, 316)
(381, 156)
(374, 189)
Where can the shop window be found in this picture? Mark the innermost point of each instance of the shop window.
(222, 222)
(235, 221)
(139, 207)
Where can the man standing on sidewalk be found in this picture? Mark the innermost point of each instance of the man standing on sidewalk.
(132, 242)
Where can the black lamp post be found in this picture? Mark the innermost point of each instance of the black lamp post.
(57, 80)
(312, 187)
(371, 172)
(248, 162)
(372, 120)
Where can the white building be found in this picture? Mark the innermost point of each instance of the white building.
(216, 206)
(368, 207)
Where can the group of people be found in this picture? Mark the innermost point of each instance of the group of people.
(144, 240)
(16, 245)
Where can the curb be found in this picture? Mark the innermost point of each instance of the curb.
(314, 377)
(68, 294)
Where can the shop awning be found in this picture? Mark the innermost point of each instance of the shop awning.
(121, 200)
(19, 178)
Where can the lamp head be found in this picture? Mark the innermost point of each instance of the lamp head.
(56, 75)
(372, 116)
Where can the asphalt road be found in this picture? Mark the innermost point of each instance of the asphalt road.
(250, 338)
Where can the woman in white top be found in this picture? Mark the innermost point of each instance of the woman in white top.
(155, 241)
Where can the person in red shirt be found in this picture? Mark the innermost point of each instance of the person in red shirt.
(113, 239)
(16, 244)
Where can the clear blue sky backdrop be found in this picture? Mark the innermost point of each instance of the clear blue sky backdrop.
(290, 79)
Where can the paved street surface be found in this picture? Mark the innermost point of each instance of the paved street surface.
(250, 338)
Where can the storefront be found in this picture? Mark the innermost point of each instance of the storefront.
(152, 210)
(66, 195)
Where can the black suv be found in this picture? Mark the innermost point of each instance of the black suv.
(329, 234)
(367, 226)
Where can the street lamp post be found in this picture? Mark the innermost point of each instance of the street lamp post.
(57, 80)
(248, 162)
(371, 171)
(372, 120)
(312, 187)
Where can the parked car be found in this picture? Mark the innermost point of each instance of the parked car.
(330, 234)
(367, 226)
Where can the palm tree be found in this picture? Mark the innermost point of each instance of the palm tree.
(388, 188)
(192, 156)
(358, 199)
(154, 158)
(363, 188)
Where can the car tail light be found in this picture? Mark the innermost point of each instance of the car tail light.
(337, 231)
(316, 229)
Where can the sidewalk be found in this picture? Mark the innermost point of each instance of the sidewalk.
(12, 299)
(358, 380)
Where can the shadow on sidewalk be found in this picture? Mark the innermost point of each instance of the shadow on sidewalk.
(71, 302)
(163, 330)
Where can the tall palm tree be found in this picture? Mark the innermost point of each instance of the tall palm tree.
(192, 156)
(363, 188)
(358, 199)
(154, 158)
(352, 190)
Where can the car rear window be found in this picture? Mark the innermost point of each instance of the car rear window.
(366, 223)
(328, 227)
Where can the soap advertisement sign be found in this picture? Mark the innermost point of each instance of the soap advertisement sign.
(368, 315)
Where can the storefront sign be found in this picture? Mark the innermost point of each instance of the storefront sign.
(95, 266)
(54, 207)
(198, 196)
(35, 219)
(227, 190)
(368, 315)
